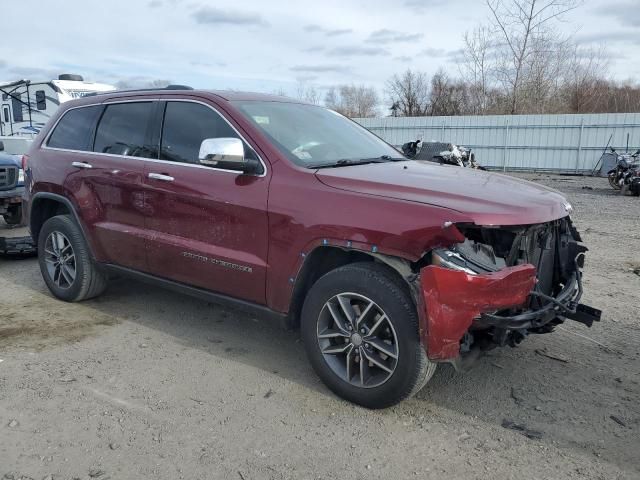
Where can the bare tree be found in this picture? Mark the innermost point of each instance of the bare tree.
(356, 101)
(307, 92)
(410, 93)
(519, 23)
(281, 92)
(582, 83)
(447, 96)
(543, 76)
(477, 68)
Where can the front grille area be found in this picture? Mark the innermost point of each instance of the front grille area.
(8, 178)
(546, 246)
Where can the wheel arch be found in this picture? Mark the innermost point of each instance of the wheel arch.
(45, 205)
(323, 259)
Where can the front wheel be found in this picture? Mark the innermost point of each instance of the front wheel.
(360, 330)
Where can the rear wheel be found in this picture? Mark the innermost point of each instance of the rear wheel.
(360, 330)
(65, 263)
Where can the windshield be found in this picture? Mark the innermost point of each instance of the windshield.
(313, 136)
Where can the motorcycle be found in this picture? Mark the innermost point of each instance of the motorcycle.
(627, 172)
(443, 153)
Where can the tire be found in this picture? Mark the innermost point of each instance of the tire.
(355, 285)
(13, 215)
(87, 281)
(612, 181)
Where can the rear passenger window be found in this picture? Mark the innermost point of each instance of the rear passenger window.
(185, 126)
(122, 129)
(73, 131)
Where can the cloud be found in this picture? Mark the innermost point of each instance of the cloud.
(451, 55)
(141, 82)
(314, 49)
(386, 36)
(12, 73)
(620, 36)
(347, 51)
(319, 69)
(217, 16)
(306, 78)
(421, 5)
(197, 63)
(403, 58)
(433, 52)
(339, 31)
(627, 13)
(315, 28)
(162, 3)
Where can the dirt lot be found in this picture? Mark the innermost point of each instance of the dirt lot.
(144, 383)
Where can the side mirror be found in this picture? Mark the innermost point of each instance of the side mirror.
(1, 146)
(226, 153)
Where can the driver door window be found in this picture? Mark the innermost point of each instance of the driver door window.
(185, 126)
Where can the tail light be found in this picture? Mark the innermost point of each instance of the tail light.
(25, 159)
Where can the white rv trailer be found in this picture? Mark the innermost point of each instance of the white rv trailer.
(25, 106)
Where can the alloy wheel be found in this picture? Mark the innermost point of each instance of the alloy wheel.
(357, 340)
(60, 260)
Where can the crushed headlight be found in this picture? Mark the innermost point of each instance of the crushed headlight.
(449, 259)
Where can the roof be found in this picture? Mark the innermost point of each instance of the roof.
(229, 95)
(236, 95)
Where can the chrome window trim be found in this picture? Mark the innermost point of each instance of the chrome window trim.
(44, 145)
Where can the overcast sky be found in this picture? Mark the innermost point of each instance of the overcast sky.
(269, 45)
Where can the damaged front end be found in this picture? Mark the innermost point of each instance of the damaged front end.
(500, 285)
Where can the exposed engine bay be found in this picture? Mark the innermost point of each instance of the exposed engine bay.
(502, 284)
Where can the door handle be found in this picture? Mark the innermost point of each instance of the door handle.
(161, 177)
(81, 165)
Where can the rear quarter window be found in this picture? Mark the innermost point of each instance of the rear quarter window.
(73, 131)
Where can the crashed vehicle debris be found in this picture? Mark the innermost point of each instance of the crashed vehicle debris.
(387, 265)
(501, 284)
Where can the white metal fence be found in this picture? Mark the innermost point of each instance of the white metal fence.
(565, 143)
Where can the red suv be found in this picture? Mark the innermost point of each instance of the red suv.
(388, 266)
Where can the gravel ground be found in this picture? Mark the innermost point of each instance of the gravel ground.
(145, 383)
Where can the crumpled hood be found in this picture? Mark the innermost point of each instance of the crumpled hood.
(486, 198)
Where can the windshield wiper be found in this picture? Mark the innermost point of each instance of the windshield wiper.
(345, 162)
(393, 159)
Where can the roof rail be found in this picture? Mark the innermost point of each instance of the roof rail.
(133, 90)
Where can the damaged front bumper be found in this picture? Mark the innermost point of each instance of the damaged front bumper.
(463, 308)
(453, 299)
(565, 304)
